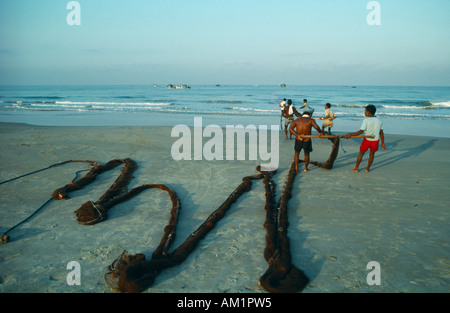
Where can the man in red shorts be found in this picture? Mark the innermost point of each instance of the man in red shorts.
(370, 126)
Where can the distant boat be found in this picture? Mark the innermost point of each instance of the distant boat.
(283, 85)
(154, 85)
(184, 86)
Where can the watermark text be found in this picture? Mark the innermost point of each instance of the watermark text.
(74, 276)
(74, 16)
(374, 277)
(219, 147)
(374, 16)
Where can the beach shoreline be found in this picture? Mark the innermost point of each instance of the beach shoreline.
(340, 221)
(410, 127)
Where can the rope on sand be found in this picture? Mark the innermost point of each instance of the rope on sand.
(4, 238)
(133, 273)
(334, 153)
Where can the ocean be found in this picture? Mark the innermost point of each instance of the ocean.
(423, 111)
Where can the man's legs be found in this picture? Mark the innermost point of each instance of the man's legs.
(286, 127)
(296, 160)
(358, 160)
(306, 161)
(369, 163)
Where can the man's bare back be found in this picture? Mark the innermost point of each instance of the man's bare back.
(303, 126)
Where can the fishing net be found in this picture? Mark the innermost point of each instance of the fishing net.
(328, 164)
(134, 273)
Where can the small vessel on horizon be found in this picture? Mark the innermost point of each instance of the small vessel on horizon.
(183, 86)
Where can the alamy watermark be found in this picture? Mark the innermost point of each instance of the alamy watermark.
(74, 276)
(219, 147)
(374, 277)
(74, 16)
(374, 16)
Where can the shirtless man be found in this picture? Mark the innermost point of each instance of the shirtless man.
(303, 126)
(288, 113)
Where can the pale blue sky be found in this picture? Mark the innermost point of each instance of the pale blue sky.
(226, 42)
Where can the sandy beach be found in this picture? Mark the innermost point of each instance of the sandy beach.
(396, 215)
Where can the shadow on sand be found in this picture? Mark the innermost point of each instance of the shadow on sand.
(393, 154)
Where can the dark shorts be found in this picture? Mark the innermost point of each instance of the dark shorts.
(305, 145)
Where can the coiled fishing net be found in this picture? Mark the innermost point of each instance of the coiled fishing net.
(134, 273)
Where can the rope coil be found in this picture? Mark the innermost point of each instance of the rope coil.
(133, 273)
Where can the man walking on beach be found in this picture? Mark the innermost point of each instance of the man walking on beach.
(288, 113)
(370, 126)
(303, 126)
(329, 117)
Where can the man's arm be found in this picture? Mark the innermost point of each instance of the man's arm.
(326, 116)
(382, 139)
(296, 112)
(359, 132)
(291, 129)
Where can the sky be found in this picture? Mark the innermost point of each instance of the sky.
(298, 42)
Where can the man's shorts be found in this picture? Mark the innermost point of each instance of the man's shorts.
(288, 121)
(366, 144)
(305, 145)
(328, 122)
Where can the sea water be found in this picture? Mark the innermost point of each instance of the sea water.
(421, 111)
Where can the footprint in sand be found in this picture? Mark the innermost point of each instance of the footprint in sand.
(234, 249)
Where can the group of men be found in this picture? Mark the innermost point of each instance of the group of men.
(372, 127)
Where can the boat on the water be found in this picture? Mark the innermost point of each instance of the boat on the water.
(183, 86)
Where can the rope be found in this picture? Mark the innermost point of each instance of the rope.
(334, 153)
(4, 238)
(342, 147)
(133, 273)
(43, 169)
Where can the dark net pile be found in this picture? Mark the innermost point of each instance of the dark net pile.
(134, 273)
